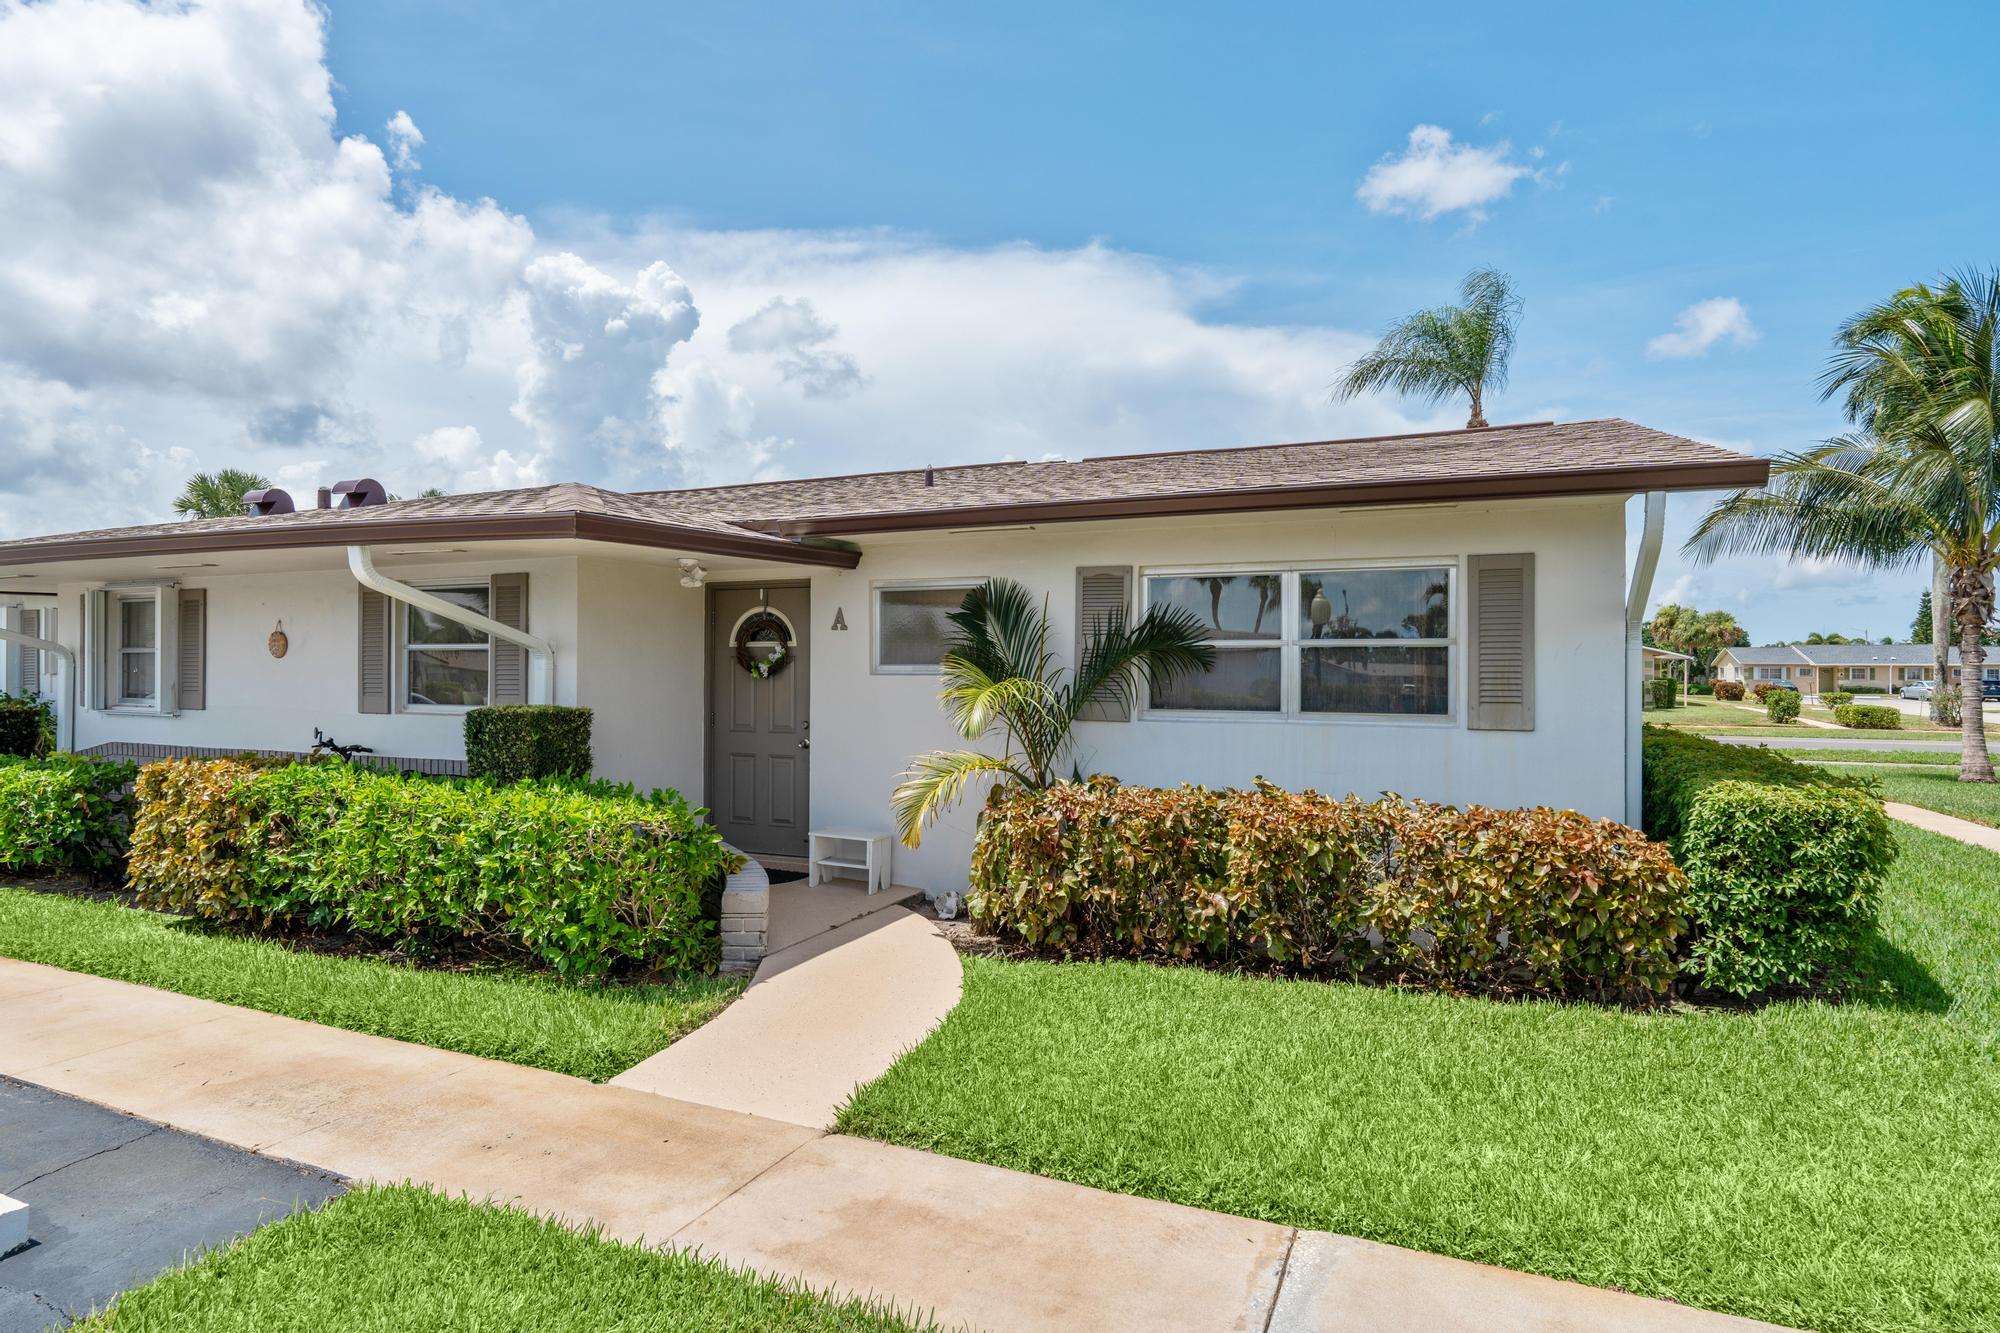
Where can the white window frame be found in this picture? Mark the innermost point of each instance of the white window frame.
(404, 648)
(108, 657)
(1768, 673)
(876, 666)
(1291, 647)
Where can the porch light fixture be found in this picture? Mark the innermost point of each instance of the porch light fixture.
(692, 574)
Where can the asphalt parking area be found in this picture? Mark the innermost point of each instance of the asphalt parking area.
(116, 1201)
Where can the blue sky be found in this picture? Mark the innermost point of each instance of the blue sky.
(871, 235)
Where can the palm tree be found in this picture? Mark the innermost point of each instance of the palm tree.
(217, 494)
(1000, 677)
(1451, 349)
(1919, 479)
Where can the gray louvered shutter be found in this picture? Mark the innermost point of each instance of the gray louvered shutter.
(1500, 643)
(28, 669)
(192, 650)
(508, 596)
(374, 672)
(1103, 596)
(95, 655)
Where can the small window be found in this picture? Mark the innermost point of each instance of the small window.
(447, 664)
(1244, 615)
(136, 670)
(911, 631)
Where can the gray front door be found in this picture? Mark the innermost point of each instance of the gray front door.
(758, 744)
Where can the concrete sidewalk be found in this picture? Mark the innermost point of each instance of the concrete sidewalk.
(974, 1245)
(1979, 835)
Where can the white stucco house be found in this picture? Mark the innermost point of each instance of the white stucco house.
(1822, 668)
(1449, 615)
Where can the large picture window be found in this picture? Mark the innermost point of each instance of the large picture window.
(1317, 641)
(446, 664)
(910, 626)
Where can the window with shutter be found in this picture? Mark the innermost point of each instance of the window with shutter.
(28, 668)
(192, 650)
(1500, 643)
(1103, 598)
(375, 669)
(508, 596)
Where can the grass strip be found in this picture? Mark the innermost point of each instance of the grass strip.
(1932, 758)
(1826, 1166)
(1932, 788)
(503, 1014)
(400, 1257)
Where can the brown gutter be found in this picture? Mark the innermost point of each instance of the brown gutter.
(472, 528)
(1731, 475)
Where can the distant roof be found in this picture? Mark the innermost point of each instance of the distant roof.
(1838, 654)
(1650, 651)
(776, 520)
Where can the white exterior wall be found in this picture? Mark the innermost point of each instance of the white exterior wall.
(866, 727)
(256, 701)
(642, 671)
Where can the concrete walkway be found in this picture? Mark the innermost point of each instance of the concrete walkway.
(822, 1017)
(974, 1245)
(1979, 835)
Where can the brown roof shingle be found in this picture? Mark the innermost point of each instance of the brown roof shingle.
(768, 519)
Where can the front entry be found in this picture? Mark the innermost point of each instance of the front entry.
(758, 743)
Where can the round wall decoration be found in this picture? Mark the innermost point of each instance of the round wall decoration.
(763, 627)
(278, 643)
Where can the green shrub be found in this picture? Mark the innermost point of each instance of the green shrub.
(1782, 705)
(1662, 692)
(1838, 698)
(1727, 689)
(27, 725)
(1784, 862)
(1430, 895)
(513, 742)
(585, 876)
(1886, 716)
(63, 813)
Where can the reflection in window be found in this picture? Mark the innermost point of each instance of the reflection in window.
(447, 664)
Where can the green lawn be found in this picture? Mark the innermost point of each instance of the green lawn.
(403, 1258)
(1835, 1167)
(503, 1014)
(1932, 788)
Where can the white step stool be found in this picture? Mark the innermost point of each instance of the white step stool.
(849, 849)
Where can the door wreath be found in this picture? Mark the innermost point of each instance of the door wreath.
(763, 627)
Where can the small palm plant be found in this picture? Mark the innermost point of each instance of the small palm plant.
(1000, 678)
(1447, 350)
(217, 494)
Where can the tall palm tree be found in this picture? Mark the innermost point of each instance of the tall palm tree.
(1447, 350)
(1000, 678)
(217, 494)
(1919, 479)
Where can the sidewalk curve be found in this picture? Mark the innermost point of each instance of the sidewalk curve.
(1979, 835)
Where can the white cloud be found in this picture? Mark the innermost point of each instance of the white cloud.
(404, 141)
(201, 271)
(1433, 176)
(1703, 325)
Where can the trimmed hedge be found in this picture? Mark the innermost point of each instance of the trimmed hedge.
(1838, 699)
(1886, 716)
(1785, 862)
(514, 742)
(1727, 689)
(587, 877)
(1540, 900)
(63, 813)
(24, 725)
(1782, 705)
(1662, 692)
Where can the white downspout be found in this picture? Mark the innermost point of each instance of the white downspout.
(541, 657)
(1643, 566)
(66, 701)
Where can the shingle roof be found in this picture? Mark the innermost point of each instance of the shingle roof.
(1838, 654)
(1535, 459)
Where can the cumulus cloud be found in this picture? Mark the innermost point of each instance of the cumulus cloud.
(1434, 175)
(404, 141)
(202, 270)
(792, 332)
(1703, 325)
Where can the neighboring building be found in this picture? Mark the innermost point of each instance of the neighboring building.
(1822, 668)
(1443, 615)
(1666, 662)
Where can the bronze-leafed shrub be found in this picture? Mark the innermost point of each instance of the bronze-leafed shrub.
(1538, 900)
(1727, 690)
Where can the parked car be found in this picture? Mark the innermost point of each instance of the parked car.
(1919, 689)
(1779, 685)
(1989, 689)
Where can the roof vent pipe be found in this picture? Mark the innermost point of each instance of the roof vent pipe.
(360, 492)
(326, 497)
(264, 503)
(930, 476)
